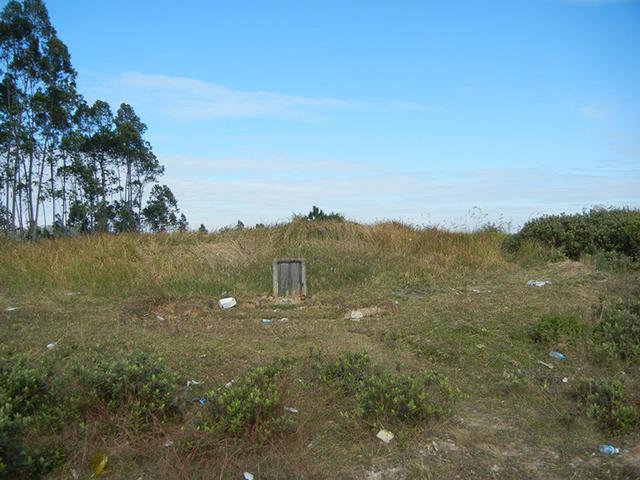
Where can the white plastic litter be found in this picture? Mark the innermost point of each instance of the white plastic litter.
(356, 315)
(227, 302)
(168, 444)
(192, 382)
(159, 317)
(385, 435)
(51, 345)
(228, 384)
(290, 409)
(71, 294)
(538, 283)
(247, 476)
(11, 309)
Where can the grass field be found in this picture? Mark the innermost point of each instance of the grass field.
(451, 303)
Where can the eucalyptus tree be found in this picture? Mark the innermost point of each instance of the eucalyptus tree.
(137, 166)
(161, 212)
(38, 93)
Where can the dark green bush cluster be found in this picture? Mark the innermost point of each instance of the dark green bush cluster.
(559, 327)
(138, 384)
(392, 396)
(252, 404)
(617, 333)
(599, 230)
(27, 396)
(317, 214)
(606, 401)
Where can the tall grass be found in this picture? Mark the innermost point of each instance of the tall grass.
(340, 255)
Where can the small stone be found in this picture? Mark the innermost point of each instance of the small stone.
(385, 435)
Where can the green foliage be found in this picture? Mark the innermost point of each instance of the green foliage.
(138, 384)
(252, 404)
(408, 398)
(606, 402)
(350, 371)
(599, 230)
(161, 212)
(27, 397)
(559, 327)
(317, 214)
(381, 395)
(617, 333)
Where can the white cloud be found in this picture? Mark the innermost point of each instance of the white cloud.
(367, 194)
(182, 98)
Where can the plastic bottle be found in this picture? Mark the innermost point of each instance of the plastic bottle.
(557, 355)
(606, 449)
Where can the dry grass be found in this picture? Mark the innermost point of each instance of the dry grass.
(450, 302)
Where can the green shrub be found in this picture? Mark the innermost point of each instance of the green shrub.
(379, 394)
(559, 327)
(252, 404)
(617, 333)
(317, 214)
(349, 371)
(599, 230)
(28, 400)
(139, 384)
(404, 397)
(605, 401)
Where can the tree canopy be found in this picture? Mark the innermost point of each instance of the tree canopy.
(67, 166)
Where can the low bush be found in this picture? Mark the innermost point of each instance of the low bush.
(606, 402)
(408, 398)
(138, 384)
(251, 405)
(350, 371)
(27, 400)
(381, 395)
(599, 230)
(559, 327)
(617, 332)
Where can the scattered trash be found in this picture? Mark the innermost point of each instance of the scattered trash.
(228, 384)
(11, 309)
(70, 294)
(202, 401)
(538, 283)
(228, 302)
(545, 364)
(192, 382)
(168, 444)
(290, 409)
(480, 345)
(565, 380)
(266, 320)
(557, 355)
(606, 449)
(475, 290)
(51, 345)
(356, 315)
(98, 463)
(158, 317)
(247, 476)
(284, 319)
(385, 435)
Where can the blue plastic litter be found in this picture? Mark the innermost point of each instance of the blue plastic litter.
(606, 449)
(557, 355)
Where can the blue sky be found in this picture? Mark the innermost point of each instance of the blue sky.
(434, 112)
